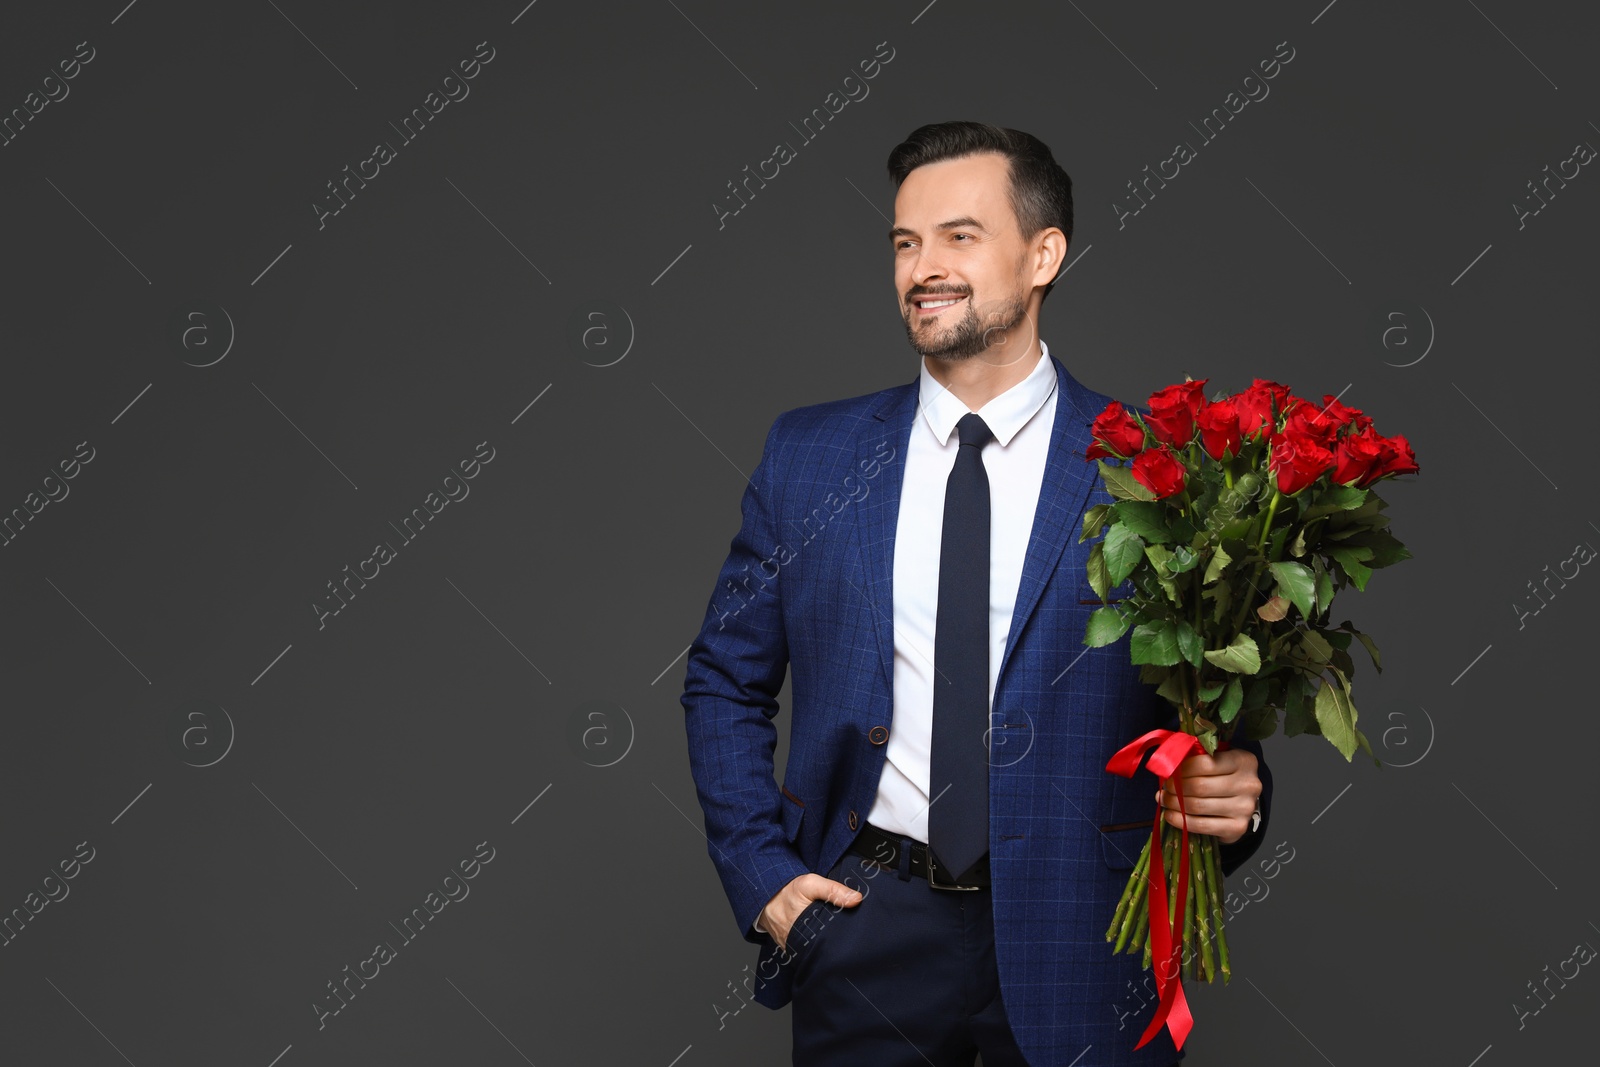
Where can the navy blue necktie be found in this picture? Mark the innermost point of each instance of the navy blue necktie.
(958, 820)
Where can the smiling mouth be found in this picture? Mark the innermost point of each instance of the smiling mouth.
(932, 305)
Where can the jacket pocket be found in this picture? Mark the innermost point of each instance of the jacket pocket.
(794, 811)
(1121, 843)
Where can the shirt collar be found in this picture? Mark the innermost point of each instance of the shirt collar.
(1004, 414)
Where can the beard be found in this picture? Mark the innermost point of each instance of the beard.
(968, 336)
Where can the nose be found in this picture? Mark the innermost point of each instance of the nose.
(924, 270)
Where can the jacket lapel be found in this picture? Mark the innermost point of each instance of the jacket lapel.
(1057, 519)
(879, 512)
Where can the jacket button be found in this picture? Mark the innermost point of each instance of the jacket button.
(878, 735)
(854, 822)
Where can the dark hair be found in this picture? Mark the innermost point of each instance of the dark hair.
(1041, 192)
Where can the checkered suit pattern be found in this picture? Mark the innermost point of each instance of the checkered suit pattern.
(807, 587)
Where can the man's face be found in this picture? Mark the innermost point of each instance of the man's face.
(956, 237)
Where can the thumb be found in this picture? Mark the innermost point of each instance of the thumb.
(841, 894)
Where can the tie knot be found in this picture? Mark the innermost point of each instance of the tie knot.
(973, 430)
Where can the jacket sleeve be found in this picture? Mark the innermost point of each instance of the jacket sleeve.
(736, 668)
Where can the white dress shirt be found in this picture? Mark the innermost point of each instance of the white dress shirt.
(1021, 418)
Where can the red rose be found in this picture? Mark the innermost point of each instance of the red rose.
(1303, 419)
(1394, 457)
(1219, 428)
(1298, 460)
(1120, 434)
(1260, 406)
(1159, 471)
(1172, 412)
(1355, 455)
(1279, 393)
(1341, 415)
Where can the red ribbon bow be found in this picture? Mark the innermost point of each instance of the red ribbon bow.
(1166, 940)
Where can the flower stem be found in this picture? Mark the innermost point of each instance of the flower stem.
(1202, 903)
(1169, 852)
(1266, 527)
(1188, 927)
(1141, 926)
(1213, 860)
(1121, 922)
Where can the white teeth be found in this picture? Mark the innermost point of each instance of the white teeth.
(937, 303)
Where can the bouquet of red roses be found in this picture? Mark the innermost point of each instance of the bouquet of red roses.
(1235, 521)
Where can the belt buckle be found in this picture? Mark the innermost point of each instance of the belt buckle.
(943, 885)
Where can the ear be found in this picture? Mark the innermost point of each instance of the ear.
(1046, 254)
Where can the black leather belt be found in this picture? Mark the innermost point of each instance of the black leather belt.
(884, 849)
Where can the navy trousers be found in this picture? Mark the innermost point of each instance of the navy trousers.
(906, 977)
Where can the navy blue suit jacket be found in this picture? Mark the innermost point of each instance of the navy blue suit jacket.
(807, 587)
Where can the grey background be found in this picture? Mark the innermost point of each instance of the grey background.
(454, 700)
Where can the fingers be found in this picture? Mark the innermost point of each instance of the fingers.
(1227, 785)
(1230, 806)
(1232, 772)
(798, 895)
(1228, 761)
(839, 893)
(1225, 817)
(1225, 829)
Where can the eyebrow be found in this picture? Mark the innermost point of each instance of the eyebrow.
(964, 222)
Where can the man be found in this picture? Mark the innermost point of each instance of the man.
(936, 873)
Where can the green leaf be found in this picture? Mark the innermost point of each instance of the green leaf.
(1386, 548)
(1258, 725)
(1146, 518)
(1296, 582)
(1160, 558)
(1350, 559)
(1171, 687)
(1298, 717)
(1297, 547)
(1094, 520)
(1184, 559)
(1123, 552)
(1275, 542)
(1120, 483)
(1223, 593)
(1219, 563)
(1182, 529)
(1232, 697)
(1336, 498)
(1190, 644)
(1155, 642)
(1208, 693)
(1337, 717)
(1241, 656)
(1365, 639)
(1315, 647)
(1366, 746)
(1324, 590)
(1099, 578)
(1105, 626)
